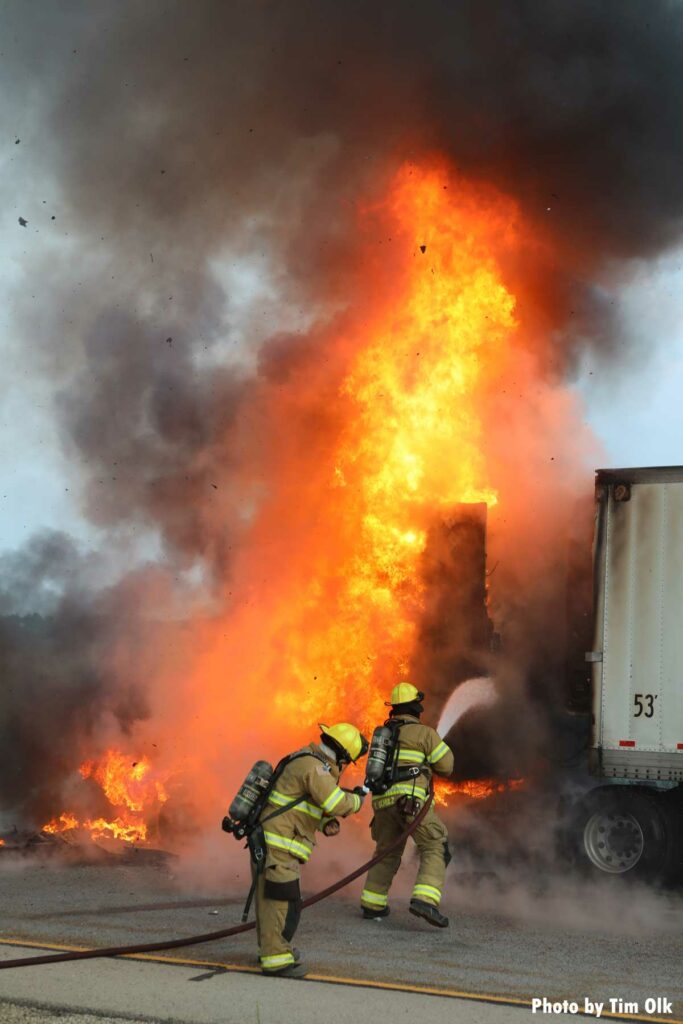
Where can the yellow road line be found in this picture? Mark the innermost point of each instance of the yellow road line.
(42, 945)
(331, 979)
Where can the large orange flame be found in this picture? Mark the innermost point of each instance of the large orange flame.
(130, 786)
(411, 447)
(125, 783)
(63, 823)
(473, 789)
(326, 592)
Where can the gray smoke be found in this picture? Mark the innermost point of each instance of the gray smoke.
(57, 635)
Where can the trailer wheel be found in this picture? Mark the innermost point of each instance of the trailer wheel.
(627, 831)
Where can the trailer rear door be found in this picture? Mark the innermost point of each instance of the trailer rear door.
(638, 683)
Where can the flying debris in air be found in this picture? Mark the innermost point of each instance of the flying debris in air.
(23, 222)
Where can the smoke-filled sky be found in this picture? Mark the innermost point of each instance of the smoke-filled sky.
(189, 176)
(207, 137)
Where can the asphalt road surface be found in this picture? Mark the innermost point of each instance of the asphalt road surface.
(511, 940)
(124, 990)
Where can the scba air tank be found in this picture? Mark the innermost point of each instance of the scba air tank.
(251, 791)
(379, 755)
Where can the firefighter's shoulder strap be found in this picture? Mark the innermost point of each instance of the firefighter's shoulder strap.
(255, 837)
(279, 768)
(400, 773)
(394, 725)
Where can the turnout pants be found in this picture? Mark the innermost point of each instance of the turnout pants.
(431, 839)
(278, 910)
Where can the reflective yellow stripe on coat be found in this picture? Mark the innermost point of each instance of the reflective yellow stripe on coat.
(438, 752)
(333, 800)
(413, 756)
(399, 789)
(293, 846)
(280, 800)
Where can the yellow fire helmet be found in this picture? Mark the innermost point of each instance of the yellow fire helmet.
(346, 736)
(404, 693)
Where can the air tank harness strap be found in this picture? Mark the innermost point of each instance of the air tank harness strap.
(410, 772)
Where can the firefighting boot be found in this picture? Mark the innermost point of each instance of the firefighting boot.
(290, 971)
(374, 915)
(429, 913)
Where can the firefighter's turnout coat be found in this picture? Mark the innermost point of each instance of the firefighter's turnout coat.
(420, 746)
(290, 838)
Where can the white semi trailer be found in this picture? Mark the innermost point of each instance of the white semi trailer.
(630, 823)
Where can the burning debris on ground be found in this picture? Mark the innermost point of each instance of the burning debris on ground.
(134, 797)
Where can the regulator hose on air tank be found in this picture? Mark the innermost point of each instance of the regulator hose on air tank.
(224, 933)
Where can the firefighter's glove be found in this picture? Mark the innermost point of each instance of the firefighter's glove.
(361, 792)
(331, 827)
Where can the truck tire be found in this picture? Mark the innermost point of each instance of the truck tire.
(630, 832)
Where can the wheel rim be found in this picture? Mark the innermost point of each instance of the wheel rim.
(613, 841)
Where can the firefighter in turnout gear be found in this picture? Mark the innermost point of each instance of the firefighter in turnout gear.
(311, 775)
(420, 752)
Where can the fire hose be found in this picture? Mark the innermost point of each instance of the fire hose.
(224, 933)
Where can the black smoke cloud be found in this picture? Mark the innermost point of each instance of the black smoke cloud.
(172, 132)
(569, 101)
